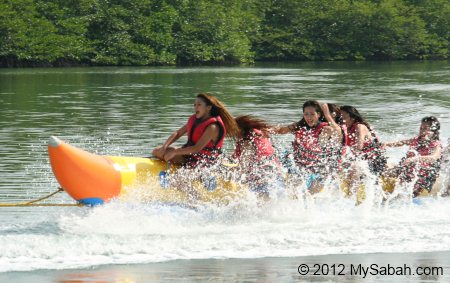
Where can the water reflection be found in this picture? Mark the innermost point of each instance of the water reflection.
(329, 268)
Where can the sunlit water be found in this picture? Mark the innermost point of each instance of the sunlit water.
(128, 111)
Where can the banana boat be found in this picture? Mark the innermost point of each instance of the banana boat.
(93, 179)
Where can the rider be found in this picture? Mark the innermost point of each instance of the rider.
(308, 153)
(333, 139)
(423, 159)
(365, 146)
(363, 140)
(206, 131)
(256, 156)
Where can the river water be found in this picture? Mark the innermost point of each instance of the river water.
(129, 111)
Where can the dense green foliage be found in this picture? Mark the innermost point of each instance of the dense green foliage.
(168, 32)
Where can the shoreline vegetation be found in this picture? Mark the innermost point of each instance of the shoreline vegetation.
(63, 33)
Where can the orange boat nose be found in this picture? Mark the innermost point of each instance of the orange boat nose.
(88, 178)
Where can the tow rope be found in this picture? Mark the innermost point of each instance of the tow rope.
(34, 202)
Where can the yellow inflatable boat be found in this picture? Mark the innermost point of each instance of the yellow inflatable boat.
(92, 179)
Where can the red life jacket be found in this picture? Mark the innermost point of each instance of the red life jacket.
(422, 150)
(212, 150)
(264, 164)
(370, 150)
(308, 154)
(261, 143)
(427, 172)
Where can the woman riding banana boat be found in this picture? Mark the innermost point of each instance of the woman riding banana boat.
(318, 142)
(365, 151)
(330, 143)
(422, 163)
(206, 131)
(256, 157)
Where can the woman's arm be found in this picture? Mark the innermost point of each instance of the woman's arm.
(175, 136)
(283, 129)
(160, 151)
(397, 143)
(211, 133)
(362, 134)
(334, 129)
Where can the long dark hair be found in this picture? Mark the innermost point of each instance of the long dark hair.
(247, 123)
(434, 125)
(354, 114)
(337, 110)
(218, 109)
(316, 105)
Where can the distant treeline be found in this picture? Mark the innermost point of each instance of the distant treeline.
(169, 32)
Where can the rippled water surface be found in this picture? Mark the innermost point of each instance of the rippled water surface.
(129, 111)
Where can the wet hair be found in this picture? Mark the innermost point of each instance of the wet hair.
(335, 109)
(354, 114)
(218, 109)
(434, 125)
(316, 105)
(247, 123)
